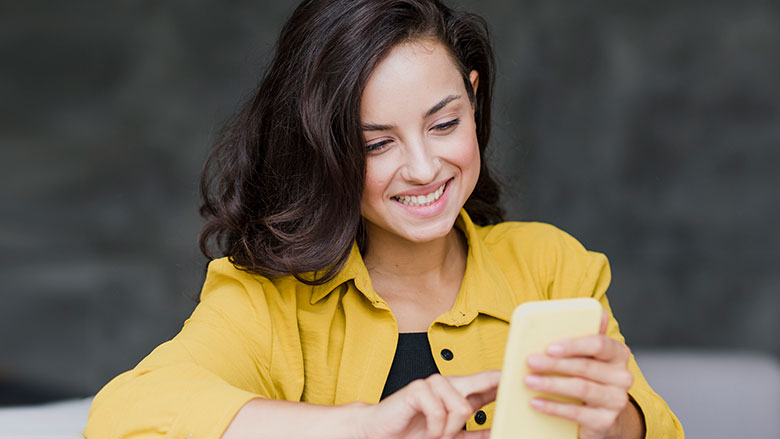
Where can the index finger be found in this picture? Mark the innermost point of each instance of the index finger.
(479, 388)
(599, 347)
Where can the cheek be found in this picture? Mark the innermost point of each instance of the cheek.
(376, 182)
(466, 156)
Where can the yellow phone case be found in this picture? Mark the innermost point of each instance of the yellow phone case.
(535, 325)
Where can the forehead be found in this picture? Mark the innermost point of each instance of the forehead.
(412, 77)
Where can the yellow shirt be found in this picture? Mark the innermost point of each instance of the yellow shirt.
(251, 337)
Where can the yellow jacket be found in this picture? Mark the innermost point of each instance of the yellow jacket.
(251, 337)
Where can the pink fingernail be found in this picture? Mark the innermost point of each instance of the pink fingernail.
(537, 361)
(537, 403)
(533, 380)
(555, 349)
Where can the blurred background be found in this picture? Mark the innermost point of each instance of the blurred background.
(648, 130)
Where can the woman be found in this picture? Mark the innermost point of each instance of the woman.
(364, 249)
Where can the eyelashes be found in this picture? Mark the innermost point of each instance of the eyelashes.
(377, 146)
(445, 126)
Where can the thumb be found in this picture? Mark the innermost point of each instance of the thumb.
(604, 320)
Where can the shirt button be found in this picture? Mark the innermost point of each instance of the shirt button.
(447, 354)
(480, 417)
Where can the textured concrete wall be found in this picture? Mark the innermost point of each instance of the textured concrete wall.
(651, 132)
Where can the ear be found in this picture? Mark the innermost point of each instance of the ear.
(474, 78)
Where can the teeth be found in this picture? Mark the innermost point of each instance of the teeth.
(422, 200)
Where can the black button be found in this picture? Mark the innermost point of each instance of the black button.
(480, 417)
(447, 354)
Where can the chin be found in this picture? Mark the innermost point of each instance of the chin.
(422, 233)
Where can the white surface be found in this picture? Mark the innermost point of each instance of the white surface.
(718, 394)
(60, 420)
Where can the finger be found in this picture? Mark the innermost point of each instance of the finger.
(595, 370)
(424, 400)
(458, 408)
(479, 400)
(604, 321)
(479, 388)
(591, 393)
(596, 419)
(597, 346)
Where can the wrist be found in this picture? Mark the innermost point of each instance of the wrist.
(629, 424)
(354, 415)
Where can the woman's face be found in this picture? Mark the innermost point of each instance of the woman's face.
(423, 159)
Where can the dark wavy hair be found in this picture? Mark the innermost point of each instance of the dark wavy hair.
(282, 185)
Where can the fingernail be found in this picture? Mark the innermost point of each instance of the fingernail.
(537, 403)
(537, 361)
(533, 380)
(555, 349)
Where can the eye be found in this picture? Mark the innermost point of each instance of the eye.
(378, 146)
(446, 125)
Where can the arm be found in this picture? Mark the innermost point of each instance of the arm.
(214, 379)
(436, 407)
(581, 273)
(194, 384)
(276, 418)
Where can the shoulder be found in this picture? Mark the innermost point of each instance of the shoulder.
(233, 287)
(223, 275)
(530, 239)
(543, 252)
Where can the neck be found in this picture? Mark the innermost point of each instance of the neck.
(391, 257)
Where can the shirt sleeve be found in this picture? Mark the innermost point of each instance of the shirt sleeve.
(582, 273)
(193, 385)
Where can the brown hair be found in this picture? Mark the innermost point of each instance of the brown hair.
(283, 183)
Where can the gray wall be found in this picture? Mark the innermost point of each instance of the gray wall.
(650, 131)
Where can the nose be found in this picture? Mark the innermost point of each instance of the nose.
(421, 164)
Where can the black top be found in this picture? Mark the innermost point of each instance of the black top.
(413, 360)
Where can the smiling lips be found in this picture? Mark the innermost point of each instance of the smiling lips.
(422, 200)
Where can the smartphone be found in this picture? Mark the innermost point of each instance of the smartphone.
(535, 325)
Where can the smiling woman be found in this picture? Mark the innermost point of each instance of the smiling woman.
(423, 157)
(367, 278)
(275, 214)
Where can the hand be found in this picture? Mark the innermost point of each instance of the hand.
(436, 407)
(595, 370)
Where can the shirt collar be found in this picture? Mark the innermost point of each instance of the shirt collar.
(354, 270)
(484, 289)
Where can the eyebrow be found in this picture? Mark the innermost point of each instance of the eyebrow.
(441, 104)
